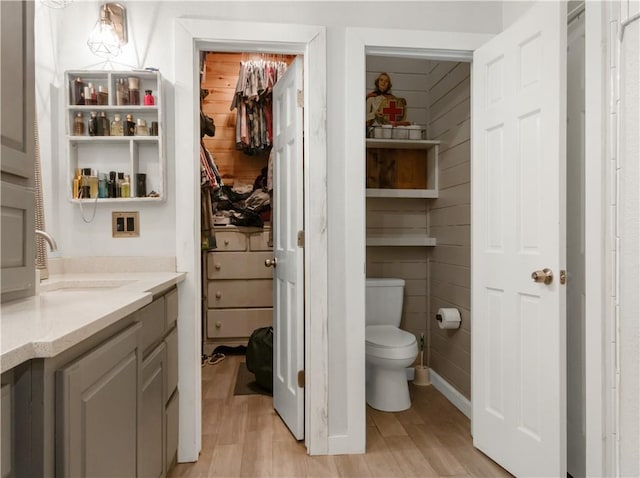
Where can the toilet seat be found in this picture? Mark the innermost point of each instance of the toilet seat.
(387, 341)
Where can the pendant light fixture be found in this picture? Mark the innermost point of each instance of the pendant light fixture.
(110, 32)
(56, 3)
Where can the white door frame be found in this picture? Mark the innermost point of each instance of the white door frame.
(191, 36)
(456, 46)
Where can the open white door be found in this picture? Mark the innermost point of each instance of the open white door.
(518, 200)
(288, 278)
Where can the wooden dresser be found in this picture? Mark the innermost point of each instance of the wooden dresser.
(237, 287)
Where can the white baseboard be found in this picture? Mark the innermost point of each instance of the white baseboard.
(455, 397)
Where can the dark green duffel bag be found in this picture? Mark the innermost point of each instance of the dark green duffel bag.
(260, 356)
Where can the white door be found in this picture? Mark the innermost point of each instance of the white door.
(288, 278)
(518, 201)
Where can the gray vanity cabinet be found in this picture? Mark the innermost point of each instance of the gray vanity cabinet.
(17, 202)
(152, 463)
(98, 403)
(158, 433)
(6, 424)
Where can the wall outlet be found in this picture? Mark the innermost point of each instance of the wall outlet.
(125, 224)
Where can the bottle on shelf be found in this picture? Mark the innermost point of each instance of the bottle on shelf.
(76, 92)
(103, 95)
(117, 128)
(93, 183)
(122, 92)
(102, 186)
(141, 128)
(134, 90)
(78, 124)
(126, 187)
(119, 184)
(77, 178)
(148, 98)
(93, 124)
(103, 124)
(112, 185)
(129, 126)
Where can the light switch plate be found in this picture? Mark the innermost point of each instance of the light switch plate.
(125, 224)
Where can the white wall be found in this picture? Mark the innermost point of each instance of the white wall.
(61, 45)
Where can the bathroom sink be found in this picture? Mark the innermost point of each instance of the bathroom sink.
(83, 285)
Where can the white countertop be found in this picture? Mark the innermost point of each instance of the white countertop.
(72, 307)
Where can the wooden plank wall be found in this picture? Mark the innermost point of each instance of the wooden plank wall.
(220, 78)
(409, 80)
(450, 218)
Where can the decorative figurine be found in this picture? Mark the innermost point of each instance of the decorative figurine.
(383, 107)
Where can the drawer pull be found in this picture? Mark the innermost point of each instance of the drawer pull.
(226, 242)
(217, 266)
(218, 295)
(218, 325)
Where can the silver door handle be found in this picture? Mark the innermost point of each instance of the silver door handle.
(270, 262)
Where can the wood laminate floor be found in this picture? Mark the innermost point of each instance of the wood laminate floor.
(243, 436)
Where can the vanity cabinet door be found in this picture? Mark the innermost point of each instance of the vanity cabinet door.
(152, 421)
(97, 403)
(7, 431)
(17, 150)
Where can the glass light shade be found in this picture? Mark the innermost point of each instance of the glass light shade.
(56, 3)
(103, 40)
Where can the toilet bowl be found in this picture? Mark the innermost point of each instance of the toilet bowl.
(388, 349)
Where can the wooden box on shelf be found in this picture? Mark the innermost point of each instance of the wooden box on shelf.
(139, 153)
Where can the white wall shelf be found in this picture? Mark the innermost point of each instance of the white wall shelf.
(410, 240)
(127, 154)
(431, 149)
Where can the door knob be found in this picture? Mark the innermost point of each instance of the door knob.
(545, 275)
(270, 262)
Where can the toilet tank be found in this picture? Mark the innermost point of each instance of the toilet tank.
(383, 301)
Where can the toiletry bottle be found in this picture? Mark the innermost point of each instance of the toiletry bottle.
(103, 124)
(87, 94)
(141, 185)
(78, 124)
(75, 190)
(76, 93)
(119, 185)
(122, 92)
(141, 128)
(102, 186)
(111, 184)
(93, 184)
(117, 128)
(85, 189)
(134, 90)
(129, 126)
(148, 98)
(126, 187)
(103, 95)
(93, 124)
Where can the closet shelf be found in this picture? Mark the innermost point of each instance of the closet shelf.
(112, 139)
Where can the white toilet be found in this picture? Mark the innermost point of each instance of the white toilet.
(389, 350)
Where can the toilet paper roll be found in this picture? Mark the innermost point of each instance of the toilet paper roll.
(448, 318)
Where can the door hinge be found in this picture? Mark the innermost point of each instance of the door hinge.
(563, 277)
(301, 98)
(301, 378)
(300, 238)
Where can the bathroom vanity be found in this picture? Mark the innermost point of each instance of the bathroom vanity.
(89, 377)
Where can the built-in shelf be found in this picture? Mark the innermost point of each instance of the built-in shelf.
(400, 240)
(431, 192)
(402, 193)
(401, 143)
(140, 154)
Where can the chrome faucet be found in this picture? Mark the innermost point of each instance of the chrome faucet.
(47, 237)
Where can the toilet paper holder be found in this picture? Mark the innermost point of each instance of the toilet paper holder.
(452, 319)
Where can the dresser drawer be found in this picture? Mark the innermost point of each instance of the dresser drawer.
(230, 241)
(228, 323)
(259, 241)
(238, 265)
(240, 293)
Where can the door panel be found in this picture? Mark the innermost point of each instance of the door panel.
(519, 348)
(288, 282)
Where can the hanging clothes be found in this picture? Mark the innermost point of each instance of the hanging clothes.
(253, 102)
